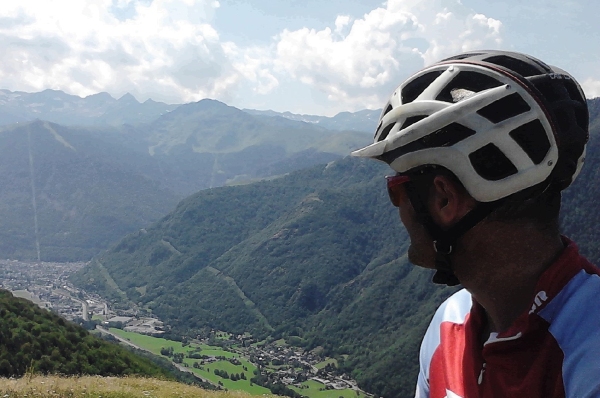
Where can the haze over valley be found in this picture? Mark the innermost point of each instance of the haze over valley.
(72, 190)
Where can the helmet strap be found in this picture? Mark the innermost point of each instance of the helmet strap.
(445, 240)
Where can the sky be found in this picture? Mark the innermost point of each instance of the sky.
(305, 56)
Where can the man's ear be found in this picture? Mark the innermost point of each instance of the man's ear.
(449, 201)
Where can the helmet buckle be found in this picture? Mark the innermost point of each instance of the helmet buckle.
(442, 248)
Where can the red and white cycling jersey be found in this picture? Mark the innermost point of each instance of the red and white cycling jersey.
(552, 350)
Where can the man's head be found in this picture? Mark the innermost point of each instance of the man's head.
(507, 129)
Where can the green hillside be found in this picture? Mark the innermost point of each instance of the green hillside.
(33, 339)
(207, 144)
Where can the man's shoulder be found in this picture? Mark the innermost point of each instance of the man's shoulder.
(573, 318)
(455, 308)
(572, 286)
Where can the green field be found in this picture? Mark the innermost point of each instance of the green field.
(154, 345)
(321, 365)
(313, 389)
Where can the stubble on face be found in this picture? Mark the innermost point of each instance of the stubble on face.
(420, 250)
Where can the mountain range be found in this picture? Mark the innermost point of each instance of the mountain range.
(58, 107)
(69, 190)
(102, 109)
(365, 120)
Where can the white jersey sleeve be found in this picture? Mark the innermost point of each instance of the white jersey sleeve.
(454, 310)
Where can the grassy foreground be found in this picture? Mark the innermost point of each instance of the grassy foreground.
(105, 387)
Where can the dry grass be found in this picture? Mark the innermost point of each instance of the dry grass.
(104, 387)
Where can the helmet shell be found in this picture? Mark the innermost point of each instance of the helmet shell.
(501, 122)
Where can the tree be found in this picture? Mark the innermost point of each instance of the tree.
(178, 357)
(168, 352)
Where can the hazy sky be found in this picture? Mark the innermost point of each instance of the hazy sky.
(305, 56)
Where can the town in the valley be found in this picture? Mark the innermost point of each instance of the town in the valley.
(47, 285)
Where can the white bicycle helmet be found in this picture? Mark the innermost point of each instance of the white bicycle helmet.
(500, 121)
(503, 123)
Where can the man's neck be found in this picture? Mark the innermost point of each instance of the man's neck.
(500, 265)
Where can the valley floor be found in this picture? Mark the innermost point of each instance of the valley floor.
(306, 376)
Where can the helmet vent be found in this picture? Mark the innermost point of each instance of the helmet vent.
(377, 129)
(491, 164)
(459, 94)
(447, 136)
(467, 81)
(504, 108)
(515, 65)
(387, 110)
(532, 138)
(412, 120)
(386, 131)
(412, 90)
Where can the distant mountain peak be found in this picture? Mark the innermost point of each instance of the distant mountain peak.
(102, 95)
(204, 105)
(128, 98)
(53, 91)
(212, 102)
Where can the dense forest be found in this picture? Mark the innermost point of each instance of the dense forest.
(36, 340)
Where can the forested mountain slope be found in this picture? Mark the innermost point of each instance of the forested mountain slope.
(65, 194)
(36, 339)
(208, 143)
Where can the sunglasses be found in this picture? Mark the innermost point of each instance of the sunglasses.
(393, 185)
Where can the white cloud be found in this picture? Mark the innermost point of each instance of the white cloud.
(340, 22)
(591, 88)
(255, 65)
(359, 69)
(166, 50)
